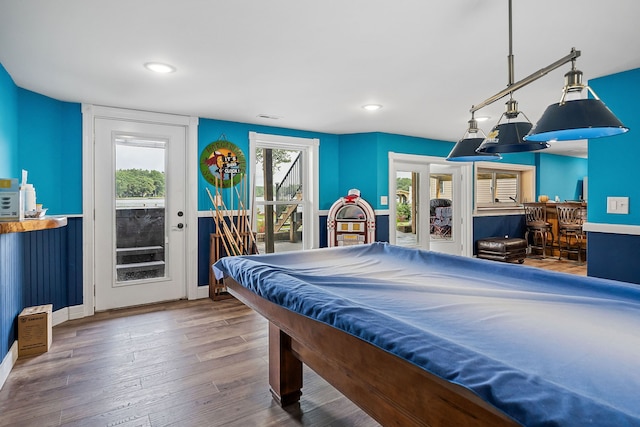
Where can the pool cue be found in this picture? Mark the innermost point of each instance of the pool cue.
(239, 224)
(248, 222)
(231, 228)
(232, 231)
(230, 198)
(217, 220)
(236, 232)
(253, 192)
(222, 223)
(238, 219)
(245, 221)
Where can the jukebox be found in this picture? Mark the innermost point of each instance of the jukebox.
(351, 221)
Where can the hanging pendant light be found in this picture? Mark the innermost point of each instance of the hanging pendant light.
(572, 119)
(465, 149)
(509, 137)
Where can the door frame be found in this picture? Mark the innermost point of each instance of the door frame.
(463, 199)
(89, 114)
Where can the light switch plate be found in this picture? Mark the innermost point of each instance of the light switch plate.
(384, 200)
(618, 205)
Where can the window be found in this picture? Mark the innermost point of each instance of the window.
(284, 192)
(500, 186)
(440, 186)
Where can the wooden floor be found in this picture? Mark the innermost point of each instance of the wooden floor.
(563, 266)
(184, 363)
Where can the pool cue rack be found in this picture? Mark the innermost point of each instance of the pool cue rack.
(233, 235)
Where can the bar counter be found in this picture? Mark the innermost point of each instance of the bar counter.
(32, 224)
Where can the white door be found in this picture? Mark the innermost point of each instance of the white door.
(139, 202)
(445, 212)
(428, 208)
(409, 219)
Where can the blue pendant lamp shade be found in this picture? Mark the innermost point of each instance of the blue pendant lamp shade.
(465, 149)
(509, 137)
(576, 119)
(579, 119)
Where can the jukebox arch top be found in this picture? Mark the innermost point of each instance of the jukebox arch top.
(351, 221)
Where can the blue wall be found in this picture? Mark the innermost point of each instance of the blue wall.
(614, 171)
(356, 167)
(210, 130)
(50, 149)
(11, 266)
(11, 289)
(561, 176)
(38, 267)
(613, 161)
(8, 126)
(43, 136)
(364, 161)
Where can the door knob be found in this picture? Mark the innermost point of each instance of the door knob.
(180, 225)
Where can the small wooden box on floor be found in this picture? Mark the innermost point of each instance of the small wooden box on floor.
(502, 249)
(34, 330)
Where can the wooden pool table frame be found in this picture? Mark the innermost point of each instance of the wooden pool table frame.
(391, 390)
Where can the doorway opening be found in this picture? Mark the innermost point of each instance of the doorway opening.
(429, 208)
(135, 187)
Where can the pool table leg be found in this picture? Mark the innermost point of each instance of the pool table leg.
(285, 370)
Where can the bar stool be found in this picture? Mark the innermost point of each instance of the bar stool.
(536, 222)
(570, 219)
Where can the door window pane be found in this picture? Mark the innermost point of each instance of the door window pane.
(406, 208)
(279, 199)
(140, 185)
(440, 206)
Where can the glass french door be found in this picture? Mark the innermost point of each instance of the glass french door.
(410, 226)
(427, 206)
(139, 217)
(445, 224)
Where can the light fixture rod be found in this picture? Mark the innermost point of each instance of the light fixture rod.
(529, 79)
(510, 58)
(512, 87)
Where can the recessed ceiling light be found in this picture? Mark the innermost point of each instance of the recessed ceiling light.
(268, 116)
(372, 107)
(482, 118)
(159, 67)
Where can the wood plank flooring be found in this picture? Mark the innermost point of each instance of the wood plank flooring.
(563, 266)
(183, 363)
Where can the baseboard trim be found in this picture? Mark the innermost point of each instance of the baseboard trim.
(8, 362)
(76, 312)
(60, 316)
(67, 313)
(203, 292)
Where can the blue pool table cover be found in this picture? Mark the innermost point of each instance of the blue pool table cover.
(545, 348)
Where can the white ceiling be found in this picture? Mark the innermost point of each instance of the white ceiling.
(314, 64)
